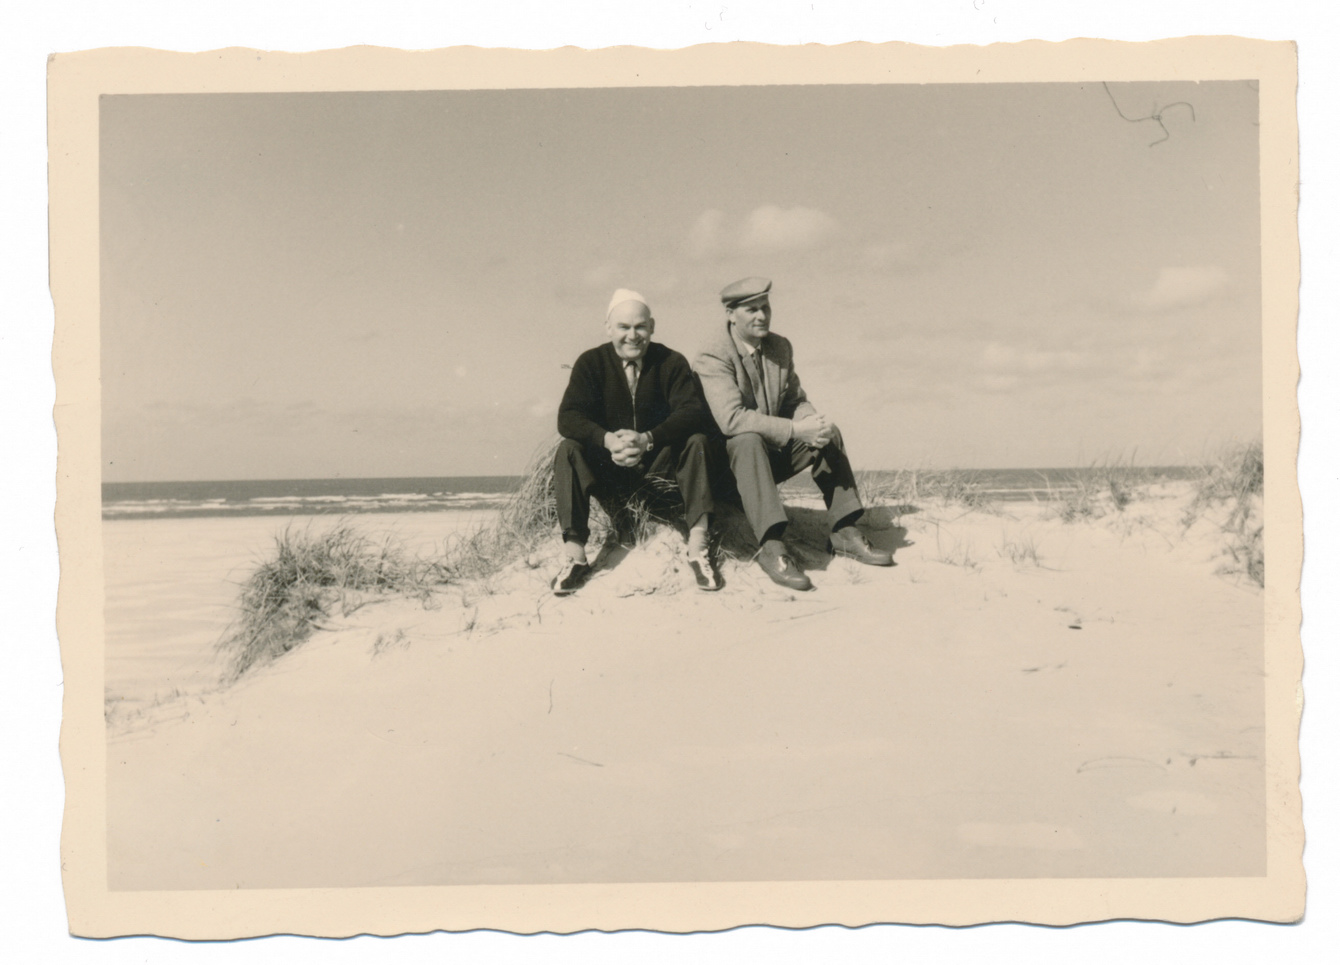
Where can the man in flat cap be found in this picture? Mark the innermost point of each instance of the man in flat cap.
(773, 432)
(632, 410)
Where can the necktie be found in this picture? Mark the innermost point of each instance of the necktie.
(630, 373)
(762, 385)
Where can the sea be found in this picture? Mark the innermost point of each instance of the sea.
(308, 497)
(303, 497)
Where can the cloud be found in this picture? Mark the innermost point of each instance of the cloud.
(766, 228)
(1182, 288)
(1009, 359)
(770, 228)
(539, 408)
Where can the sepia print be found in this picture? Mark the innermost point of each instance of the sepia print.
(677, 489)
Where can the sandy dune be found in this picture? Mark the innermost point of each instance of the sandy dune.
(967, 713)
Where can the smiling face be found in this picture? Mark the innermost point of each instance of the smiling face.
(630, 327)
(752, 320)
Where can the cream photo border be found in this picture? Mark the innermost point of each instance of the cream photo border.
(75, 83)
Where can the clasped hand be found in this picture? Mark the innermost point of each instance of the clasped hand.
(814, 430)
(626, 446)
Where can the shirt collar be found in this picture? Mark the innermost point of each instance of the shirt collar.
(744, 348)
(623, 362)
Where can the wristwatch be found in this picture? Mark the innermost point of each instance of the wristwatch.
(651, 443)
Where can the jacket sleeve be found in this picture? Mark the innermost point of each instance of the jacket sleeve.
(727, 404)
(582, 409)
(688, 411)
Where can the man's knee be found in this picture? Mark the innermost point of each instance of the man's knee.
(568, 449)
(837, 439)
(749, 462)
(746, 445)
(573, 466)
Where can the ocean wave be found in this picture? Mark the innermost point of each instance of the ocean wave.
(299, 505)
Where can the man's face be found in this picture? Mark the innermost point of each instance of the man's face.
(752, 320)
(630, 327)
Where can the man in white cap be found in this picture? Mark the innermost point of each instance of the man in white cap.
(774, 432)
(632, 410)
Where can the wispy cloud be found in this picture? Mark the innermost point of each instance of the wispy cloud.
(770, 228)
(766, 228)
(1182, 288)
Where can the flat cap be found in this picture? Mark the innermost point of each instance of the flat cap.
(745, 290)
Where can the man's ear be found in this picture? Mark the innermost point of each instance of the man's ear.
(651, 325)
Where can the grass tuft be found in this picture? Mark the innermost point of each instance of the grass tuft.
(905, 489)
(527, 519)
(1102, 488)
(1019, 551)
(287, 596)
(1235, 481)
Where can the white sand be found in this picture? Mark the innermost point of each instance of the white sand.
(938, 719)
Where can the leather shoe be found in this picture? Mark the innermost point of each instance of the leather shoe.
(571, 577)
(781, 569)
(851, 543)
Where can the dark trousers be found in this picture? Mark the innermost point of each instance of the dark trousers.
(758, 469)
(580, 473)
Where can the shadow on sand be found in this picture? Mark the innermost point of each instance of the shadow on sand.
(733, 538)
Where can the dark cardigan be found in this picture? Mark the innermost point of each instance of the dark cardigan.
(669, 402)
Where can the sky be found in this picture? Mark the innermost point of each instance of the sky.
(391, 283)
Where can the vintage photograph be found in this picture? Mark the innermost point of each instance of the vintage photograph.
(700, 483)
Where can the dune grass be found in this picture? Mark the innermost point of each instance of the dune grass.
(528, 517)
(907, 488)
(288, 595)
(1020, 551)
(1235, 481)
(1101, 489)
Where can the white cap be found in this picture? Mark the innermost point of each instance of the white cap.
(624, 295)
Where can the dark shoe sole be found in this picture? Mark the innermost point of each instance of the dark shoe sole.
(578, 581)
(879, 561)
(789, 584)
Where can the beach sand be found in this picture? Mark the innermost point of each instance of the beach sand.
(1019, 697)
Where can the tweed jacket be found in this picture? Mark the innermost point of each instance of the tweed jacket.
(731, 394)
(668, 404)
